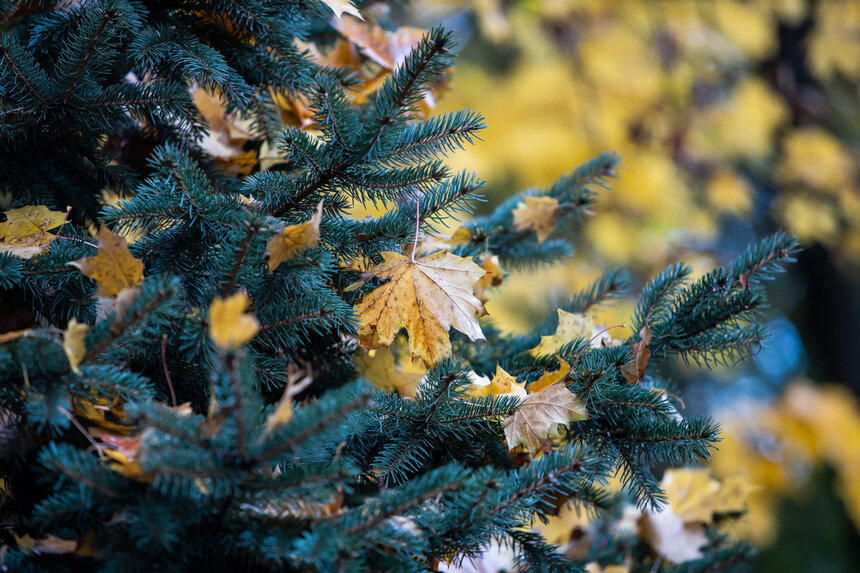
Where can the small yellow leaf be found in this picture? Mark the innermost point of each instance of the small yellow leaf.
(539, 415)
(113, 268)
(538, 214)
(427, 296)
(549, 378)
(106, 415)
(502, 384)
(25, 234)
(341, 6)
(294, 238)
(385, 372)
(73, 343)
(229, 326)
(691, 493)
(571, 325)
(298, 380)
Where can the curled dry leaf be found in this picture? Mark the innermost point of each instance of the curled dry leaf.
(549, 378)
(539, 415)
(25, 234)
(229, 325)
(294, 238)
(538, 214)
(502, 384)
(113, 268)
(427, 296)
(634, 371)
(571, 325)
(339, 7)
(492, 278)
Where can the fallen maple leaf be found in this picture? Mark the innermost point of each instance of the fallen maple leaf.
(502, 384)
(634, 371)
(549, 378)
(539, 415)
(571, 325)
(294, 238)
(427, 296)
(538, 214)
(380, 367)
(341, 6)
(73, 343)
(113, 268)
(25, 234)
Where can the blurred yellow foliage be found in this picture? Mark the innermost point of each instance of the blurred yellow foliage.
(699, 100)
(779, 446)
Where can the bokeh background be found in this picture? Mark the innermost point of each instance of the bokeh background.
(734, 119)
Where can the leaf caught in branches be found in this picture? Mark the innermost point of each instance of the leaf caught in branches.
(113, 268)
(538, 214)
(294, 238)
(427, 296)
(539, 415)
(25, 234)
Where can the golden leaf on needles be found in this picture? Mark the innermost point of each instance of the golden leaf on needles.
(634, 371)
(25, 234)
(502, 384)
(549, 378)
(427, 296)
(539, 415)
(229, 325)
(571, 325)
(73, 343)
(538, 214)
(390, 373)
(113, 268)
(492, 278)
(294, 238)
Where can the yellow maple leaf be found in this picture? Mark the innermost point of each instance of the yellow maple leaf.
(538, 214)
(427, 296)
(73, 343)
(25, 234)
(382, 368)
(502, 384)
(571, 325)
(691, 493)
(339, 7)
(106, 414)
(294, 238)
(539, 415)
(229, 326)
(113, 268)
(549, 378)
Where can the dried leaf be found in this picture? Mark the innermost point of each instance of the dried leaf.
(387, 48)
(670, 537)
(492, 278)
(539, 415)
(25, 234)
(538, 214)
(104, 414)
(386, 372)
(502, 384)
(549, 378)
(229, 326)
(294, 238)
(427, 296)
(571, 325)
(73, 343)
(691, 493)
(298, 380)
(341, 6)
(113, 268)
(634, 371)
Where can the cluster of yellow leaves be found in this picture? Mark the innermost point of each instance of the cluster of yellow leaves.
(25, 234)
(392, 369)
(778, 446)
(676, 533)
(539, 413)
(669, 86)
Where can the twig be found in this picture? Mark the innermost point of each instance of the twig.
(166, 371)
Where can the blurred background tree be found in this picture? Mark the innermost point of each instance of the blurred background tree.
(733, 119)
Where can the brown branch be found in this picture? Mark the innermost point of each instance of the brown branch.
(88, 53)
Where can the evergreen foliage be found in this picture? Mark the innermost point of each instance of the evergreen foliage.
(358, 479)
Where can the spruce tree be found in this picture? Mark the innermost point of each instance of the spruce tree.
(192, 400)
